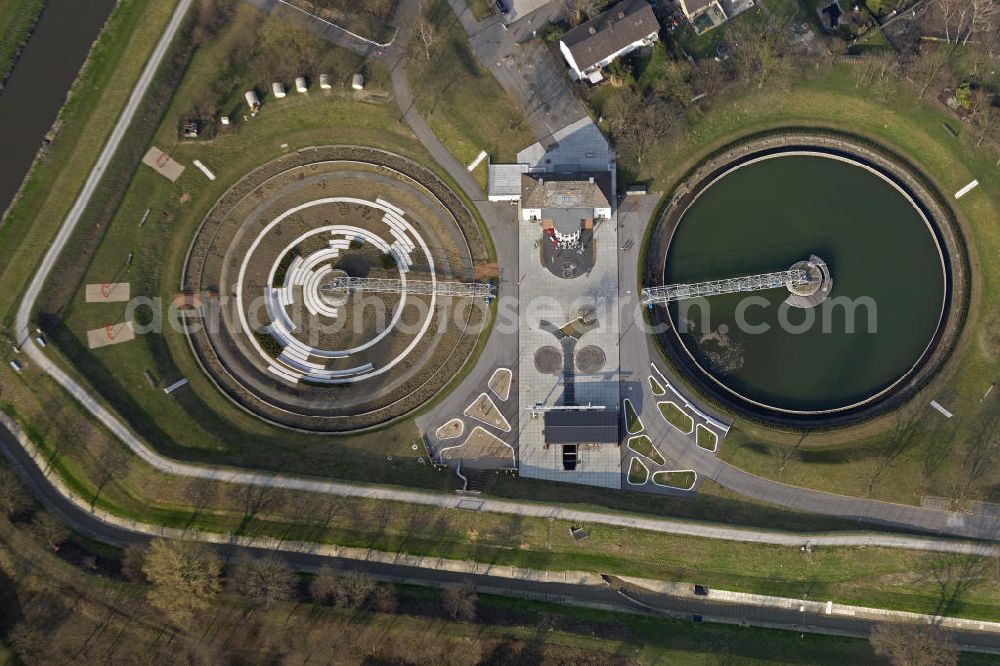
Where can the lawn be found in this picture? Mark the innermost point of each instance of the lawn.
(706, 438)
(644, 446)
(462, 103)
(199, 422)
(676, 417)
(17, 20)
(94, 104)
(632, 422)
(682, 480)
(638, 473)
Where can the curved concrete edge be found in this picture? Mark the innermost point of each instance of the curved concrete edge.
(675, 589)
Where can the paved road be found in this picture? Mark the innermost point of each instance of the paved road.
(525, 69)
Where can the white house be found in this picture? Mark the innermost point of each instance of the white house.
(593, 45)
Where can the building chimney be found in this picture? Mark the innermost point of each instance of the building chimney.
(621, 16)
(592, 30)
(591, 179)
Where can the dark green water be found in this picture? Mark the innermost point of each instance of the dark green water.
(766, 216)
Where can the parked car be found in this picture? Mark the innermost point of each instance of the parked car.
(502, 6)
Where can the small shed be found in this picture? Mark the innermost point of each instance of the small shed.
(300, 84)
(278, 89)
(224, 120)
(358, 82)
(324, 82)
(252, 101)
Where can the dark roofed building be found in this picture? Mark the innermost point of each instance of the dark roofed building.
(619, 30)
(581, 427)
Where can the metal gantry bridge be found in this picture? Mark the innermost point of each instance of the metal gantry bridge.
(676, 292)
(418, 287)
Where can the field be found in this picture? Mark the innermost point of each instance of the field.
(17, 20)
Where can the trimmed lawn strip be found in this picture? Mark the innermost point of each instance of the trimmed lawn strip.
(95, 101)
(683, 480)
(644, 446)
(656, 387)
(676, 417)
(638, 473)
(17, 21)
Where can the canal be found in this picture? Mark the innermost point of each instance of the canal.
(40, 81)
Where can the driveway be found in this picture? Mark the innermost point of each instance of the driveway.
(527, 71)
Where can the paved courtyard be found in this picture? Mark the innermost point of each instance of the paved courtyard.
(549, 303)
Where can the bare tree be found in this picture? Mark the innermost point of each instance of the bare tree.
(324, 585)
(355, 588)
(13, 497)
(263, 580)
(384, 599)
(184, 576)
(759, 54)
(459, 602)
(914, 645)
(50, 530)
(426, 32)
(133, 560)
(962, 19)
(580, 10)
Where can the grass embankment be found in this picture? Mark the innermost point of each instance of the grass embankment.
(17, 21)
(95, 101)
(912, 453)
(102, 471)
(462, 103)
(102, 614)
(200, 422)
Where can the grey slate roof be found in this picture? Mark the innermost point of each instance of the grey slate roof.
(579, 427)
(556, 190)
(611, 31)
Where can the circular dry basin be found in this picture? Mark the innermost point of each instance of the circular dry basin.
(888, 269)
(304, 356)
